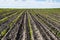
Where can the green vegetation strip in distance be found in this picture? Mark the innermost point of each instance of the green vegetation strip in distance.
(10, 12)
(48, 12)
(4, 12)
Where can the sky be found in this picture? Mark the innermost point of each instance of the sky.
(29, 3)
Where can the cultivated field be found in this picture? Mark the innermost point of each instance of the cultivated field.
(30, 24)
